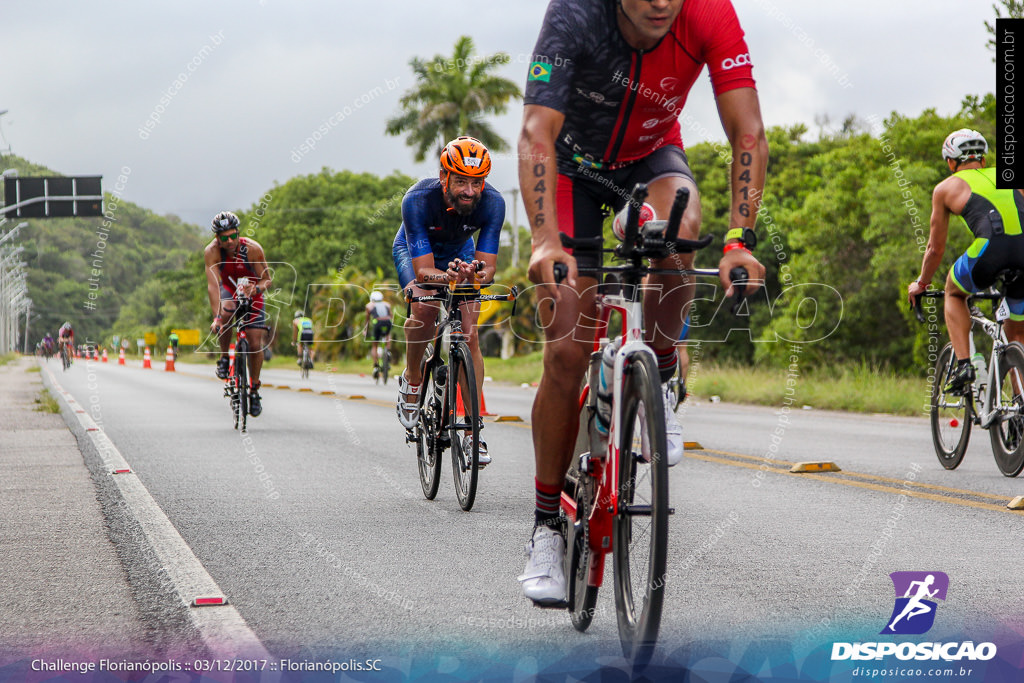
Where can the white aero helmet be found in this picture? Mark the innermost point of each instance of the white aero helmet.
(964, 145)
(376, 296)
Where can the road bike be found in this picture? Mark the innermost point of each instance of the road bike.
(382, 368)
(305, 360)
(677, 388)
(65, 355)
(996, 399)
(237, 384)
(615, 498)
(448, 375)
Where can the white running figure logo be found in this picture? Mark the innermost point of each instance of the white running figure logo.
(915, 607)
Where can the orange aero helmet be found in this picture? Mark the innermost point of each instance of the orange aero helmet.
(466, 156)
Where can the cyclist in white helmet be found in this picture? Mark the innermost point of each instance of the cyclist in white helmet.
(378, 325)
(995, 217)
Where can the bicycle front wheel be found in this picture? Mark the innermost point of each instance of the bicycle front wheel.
(464, 432)
(242, 382)
(640, 526)
(1007, 432)
(428, 454)
(950, 414)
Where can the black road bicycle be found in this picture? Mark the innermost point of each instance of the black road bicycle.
(447, 369)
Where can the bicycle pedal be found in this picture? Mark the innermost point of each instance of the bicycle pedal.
(552, 604)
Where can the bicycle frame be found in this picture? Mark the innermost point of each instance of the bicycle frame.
(992, 407)
(604, 467)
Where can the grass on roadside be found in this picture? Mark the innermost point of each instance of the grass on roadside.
(861, 388)
(6, 358)
(33, 368)
(46, 403)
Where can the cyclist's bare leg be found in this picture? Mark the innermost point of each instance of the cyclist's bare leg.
(1014, 330)
(664, 314)
(470, 314)
(226, 336)
(958, 318)
(256, 340)
(566, 355)
(419, 331)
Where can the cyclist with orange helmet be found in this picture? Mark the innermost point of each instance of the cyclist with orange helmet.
(435, 243)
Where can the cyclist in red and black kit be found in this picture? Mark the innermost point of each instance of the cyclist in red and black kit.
(229, 258)
(604, 92)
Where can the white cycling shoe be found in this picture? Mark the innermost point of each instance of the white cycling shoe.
(408, 407)
(544, 577)
(673, 432)
(483, 459)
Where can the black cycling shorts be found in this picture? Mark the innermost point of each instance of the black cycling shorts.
(380, 330)
(585, 198)
(306, 336)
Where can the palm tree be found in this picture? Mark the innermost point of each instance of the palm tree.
(452, 97)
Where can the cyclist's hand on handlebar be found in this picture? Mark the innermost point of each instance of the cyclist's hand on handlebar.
(215, 325)
(740, 258)
(542, 272)
(914, 290)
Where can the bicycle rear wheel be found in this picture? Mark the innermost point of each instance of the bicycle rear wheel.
(242, 382)
(640, 526)
(428, 454)
(385, 366)
(1007, 432)
(305, 362)
(950, 414)
(465, 462)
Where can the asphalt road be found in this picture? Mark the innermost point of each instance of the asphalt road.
(315, 527)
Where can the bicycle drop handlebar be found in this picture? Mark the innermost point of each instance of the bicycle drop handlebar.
(638, 243)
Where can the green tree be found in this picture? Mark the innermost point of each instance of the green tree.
(453, 96)
(1014, 10)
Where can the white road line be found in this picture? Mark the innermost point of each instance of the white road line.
(221, 627)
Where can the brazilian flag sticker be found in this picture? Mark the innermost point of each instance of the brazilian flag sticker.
(540, 71)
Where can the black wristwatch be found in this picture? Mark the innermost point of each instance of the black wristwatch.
(258, 290)
(745, 235)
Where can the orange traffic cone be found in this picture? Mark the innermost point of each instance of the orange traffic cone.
(169, 361)
(120, 357)
(105, 359)
(460, 409)
(231, 360)
(146, 361)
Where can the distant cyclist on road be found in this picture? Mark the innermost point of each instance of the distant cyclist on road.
(378, 327)
(606, 85)
(435, 244)
(302, 333)
(229, 258)
(66, 338)
(995, 217)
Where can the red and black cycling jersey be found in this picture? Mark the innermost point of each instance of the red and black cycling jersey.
(234, 268)
(620, 103)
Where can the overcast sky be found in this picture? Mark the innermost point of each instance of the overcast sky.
(80, 80)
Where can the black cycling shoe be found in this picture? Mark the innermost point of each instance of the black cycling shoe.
(255, 407)
(223, 365)
(962, 378)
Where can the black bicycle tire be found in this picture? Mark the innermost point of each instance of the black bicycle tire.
(305, 361)
(242, 377)
(638, 631)
(465, 481)
(579, 556)
(950, 454)
(428, 455)
(385, 366)
(1008, 435)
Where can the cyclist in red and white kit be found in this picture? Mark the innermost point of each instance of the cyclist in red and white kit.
(604, 92)
(229, 258)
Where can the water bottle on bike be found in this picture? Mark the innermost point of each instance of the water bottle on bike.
(605, 388)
